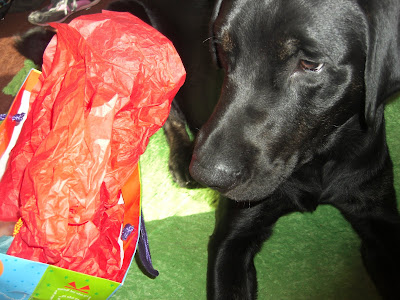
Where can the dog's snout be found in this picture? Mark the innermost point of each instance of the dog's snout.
(221, 177)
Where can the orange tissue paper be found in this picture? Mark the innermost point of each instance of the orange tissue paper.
(107, 85)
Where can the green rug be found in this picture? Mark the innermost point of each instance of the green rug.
(310, 256)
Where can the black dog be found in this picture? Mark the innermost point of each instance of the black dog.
(299, 122)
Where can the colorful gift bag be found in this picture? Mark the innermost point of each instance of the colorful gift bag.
(25, 279)
(72, 177)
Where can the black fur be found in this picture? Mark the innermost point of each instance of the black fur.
(32, 43)
(299, 122)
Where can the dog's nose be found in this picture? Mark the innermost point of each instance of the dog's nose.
(221, 177)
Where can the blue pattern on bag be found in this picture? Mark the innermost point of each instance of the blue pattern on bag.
(19, 277)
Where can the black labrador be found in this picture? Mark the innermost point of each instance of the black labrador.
(299, 122)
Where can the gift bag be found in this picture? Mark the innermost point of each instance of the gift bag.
(72, 177)
(25, 279)
(21, 278)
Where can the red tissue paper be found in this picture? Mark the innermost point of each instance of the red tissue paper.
(107, 85)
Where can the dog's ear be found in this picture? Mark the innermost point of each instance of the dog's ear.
(382, 69)
(213, 46)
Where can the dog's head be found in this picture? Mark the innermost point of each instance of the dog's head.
(296, 73)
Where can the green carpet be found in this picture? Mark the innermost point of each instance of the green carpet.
(310, 256)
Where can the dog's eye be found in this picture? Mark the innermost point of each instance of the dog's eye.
(311, 66)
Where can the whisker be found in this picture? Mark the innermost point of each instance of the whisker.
(348, 128)
(207, 39)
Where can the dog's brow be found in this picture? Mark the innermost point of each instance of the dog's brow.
(287, 47)
(226, 41)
